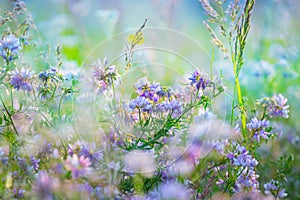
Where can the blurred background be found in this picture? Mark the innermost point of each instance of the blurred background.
(176, 42)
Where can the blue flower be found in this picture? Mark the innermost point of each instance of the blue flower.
(259, 128)
(174, 107)
(140, 103)
(148, 90)
(21, 79)
(9, 47)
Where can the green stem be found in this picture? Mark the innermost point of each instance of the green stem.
(242, 109)
(59, 105)
(9, 115)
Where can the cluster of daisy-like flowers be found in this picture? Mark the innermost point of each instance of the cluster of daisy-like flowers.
(9, 47)
(152, 97)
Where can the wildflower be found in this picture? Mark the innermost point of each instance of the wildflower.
(91, 152)
(174, 107)
(78, 166)
(259, 128)
(272, 187)
(21, 79)
(45, 185)
(248, 179)
(9, 47)
(198, 80)
(104, 75)
(34, 162)
(145, 89)
(49, 75)
(275, 106)
(140, 103)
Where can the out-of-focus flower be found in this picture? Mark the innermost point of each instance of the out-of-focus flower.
(45, 186)
(140, 162)
(21, 79)
(173, 190)
(78, 166)
(259, 128)
(104, 75)
(273, 188)
(9, 47)
(275, 106)
(34, 162)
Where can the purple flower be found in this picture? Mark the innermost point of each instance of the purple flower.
(145, 89)
(245, 160)
(258, 127)
(34, 162)
(104, 75)
(78, 166)
(90, 151)
(45, 186)
(21, 79)
(277, 106)
(272, 187)
(240, 157)
(140, 103)
(9, 47)
(198, 80)
(248, 179)
(173, 190)
(176, 108)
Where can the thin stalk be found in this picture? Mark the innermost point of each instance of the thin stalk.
(59, 105)
(240, 101)
(9, 115)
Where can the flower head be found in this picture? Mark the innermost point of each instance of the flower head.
(148, 90)
(273, 187)
(259, 128)
(79, 166)
(21, 79)
(9, 47)
(104, 75)
(198, 80)
(140, 103)
(275, 106)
